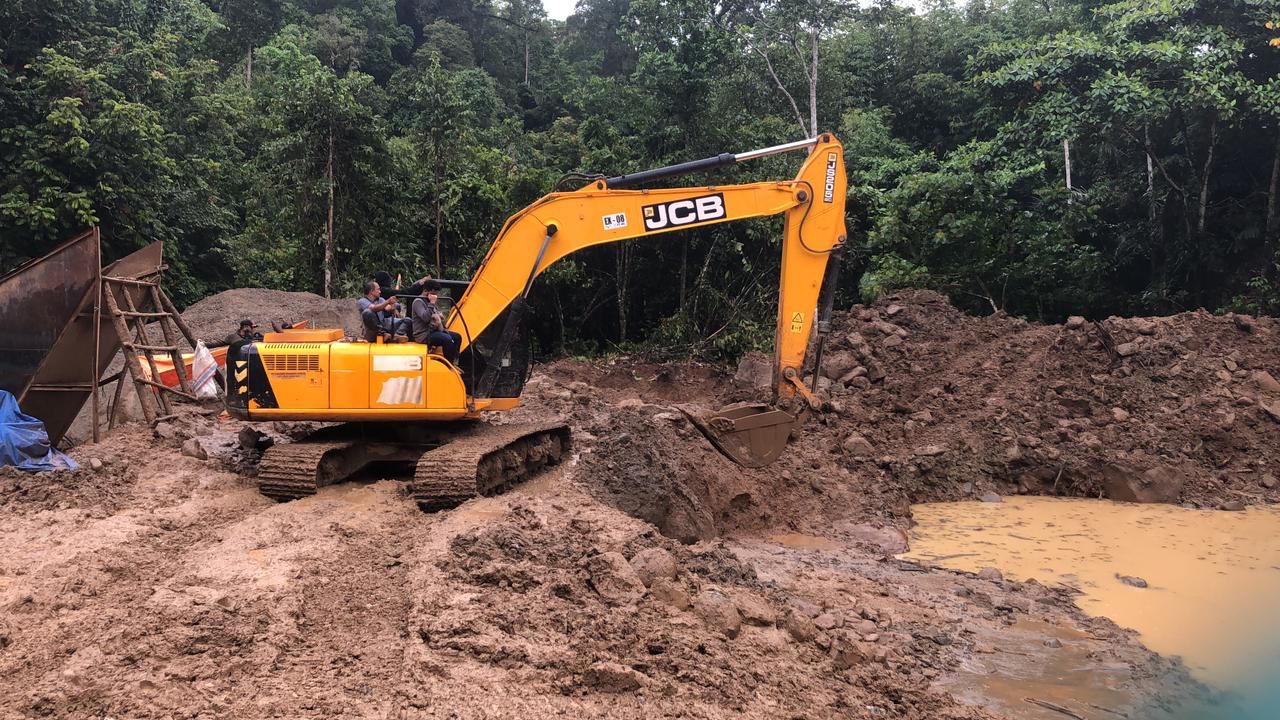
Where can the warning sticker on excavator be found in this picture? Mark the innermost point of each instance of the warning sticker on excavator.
(397, 363)
(615, 221)
(797, 322)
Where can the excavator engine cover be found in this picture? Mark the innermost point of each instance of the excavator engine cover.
(750, 434)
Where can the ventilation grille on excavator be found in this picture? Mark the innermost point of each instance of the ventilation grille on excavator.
(292, 363)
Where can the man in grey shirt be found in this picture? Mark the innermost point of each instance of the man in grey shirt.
(428, 322)
(381, 317)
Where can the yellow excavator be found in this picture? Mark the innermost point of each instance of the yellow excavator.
(405, 404)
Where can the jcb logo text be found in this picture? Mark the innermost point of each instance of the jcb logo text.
(683, 212)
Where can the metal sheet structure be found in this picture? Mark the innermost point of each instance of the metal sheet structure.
(55, 342)
(38, 303)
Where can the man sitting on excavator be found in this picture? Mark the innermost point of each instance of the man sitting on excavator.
(381, 316)
(428, 322)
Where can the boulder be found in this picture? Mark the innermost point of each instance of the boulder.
(888, 540)
(1075, 321)
(858, 445)
(847, 652)
(718, 612)
(1265, 381)
(653, 563)
(755, 370)
(667, 591)
(1130, 483)
(192, 448)
(836, 365)
(613, 579)
(613, 678)
(1120, 414)
(990, 573)
(1268, 481)
(755, 610)
(1127, 349)
(166, 431)
(799, 626)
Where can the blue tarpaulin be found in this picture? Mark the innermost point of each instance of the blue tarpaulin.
(23, 441)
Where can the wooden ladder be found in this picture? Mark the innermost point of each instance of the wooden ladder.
(131, 326)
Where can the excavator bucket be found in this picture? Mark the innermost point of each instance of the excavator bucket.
(750, 434)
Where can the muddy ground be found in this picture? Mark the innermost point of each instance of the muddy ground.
(646, 576)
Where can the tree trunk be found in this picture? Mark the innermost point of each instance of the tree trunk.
(439, 208)
(1154, 228)
(1272, 242)
(526, 58)
(1066, 158)
(813, 86)
(329, 243)
(623, 260)
(248, 67)
(1204, 180)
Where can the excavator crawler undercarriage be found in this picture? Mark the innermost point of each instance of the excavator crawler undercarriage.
(449, 465)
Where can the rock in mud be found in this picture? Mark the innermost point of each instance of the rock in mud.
(931, 450)
(754, 371)
(165, 431)
(1245, 323)
(95, 464)
(799, 626)
(1159, 484)
(1232, 506)
(990, 498)
(1268, 481)
(653, 563)
(858, 445)
(192, 448)
(889, 540)
(755, 610)
(1128, 349)
(718, 612)
(667, 591)
(1265, 381)
(251, 438)
(990, 573)
(1075, 321)
(1054, 643)
(613, 579)
(1132, 581)
(847, 652)
(613, 678)
(1120, 414)
(838, 364)
(828, 620)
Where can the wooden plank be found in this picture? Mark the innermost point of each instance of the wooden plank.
(130, 358)
(179, 367)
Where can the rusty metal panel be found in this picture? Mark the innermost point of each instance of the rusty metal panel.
(52, 354)
(38, 301)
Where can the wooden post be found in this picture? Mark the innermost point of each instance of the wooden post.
(146, 342)
(130, 357)
(170, 308)
(97, 353)
(179, 366)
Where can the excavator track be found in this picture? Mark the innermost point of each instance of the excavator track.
(486, 460)
(296, 470)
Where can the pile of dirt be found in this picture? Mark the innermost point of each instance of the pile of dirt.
(216, 316)
(942, 405)
(930, 404)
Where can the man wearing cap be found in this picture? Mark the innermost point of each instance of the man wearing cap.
(428, 322)
(244, 334)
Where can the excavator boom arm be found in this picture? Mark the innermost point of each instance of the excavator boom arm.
(600, 213)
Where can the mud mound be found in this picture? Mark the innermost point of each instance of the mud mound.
(102, 491)
(942, 405)
(931, 404)
(217, 315)
(573, 604)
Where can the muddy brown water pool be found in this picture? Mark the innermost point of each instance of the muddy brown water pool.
(1200, 585)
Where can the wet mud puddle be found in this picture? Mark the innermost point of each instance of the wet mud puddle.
(1201, 585)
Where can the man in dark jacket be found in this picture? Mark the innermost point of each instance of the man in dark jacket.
(428, 322)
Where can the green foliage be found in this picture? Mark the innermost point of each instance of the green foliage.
(231, 128)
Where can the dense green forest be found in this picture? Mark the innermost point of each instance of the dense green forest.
(1039, 157)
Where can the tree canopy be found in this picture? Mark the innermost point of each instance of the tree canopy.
(1039, 158)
